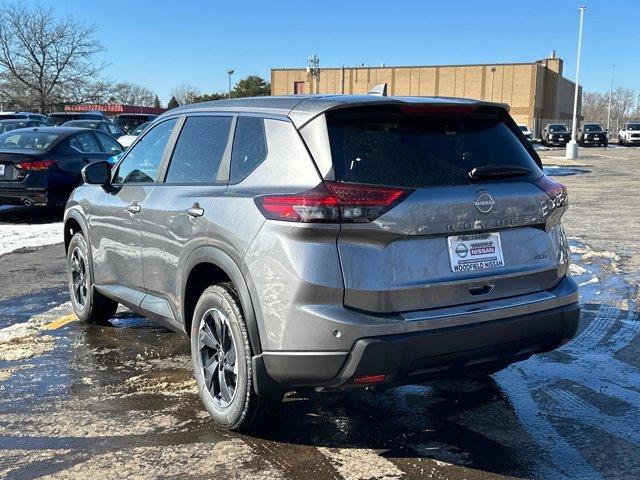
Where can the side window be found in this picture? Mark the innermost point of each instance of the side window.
(113, 130)
(199, 150)
(143, 160)
(87, 143)
(249, 148)
(75, 146)
(109, 145)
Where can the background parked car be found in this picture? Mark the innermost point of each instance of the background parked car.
(130, 121)
(8, 125)
(41, 166)
(528, 134)
(22, 115)
(102, 125)
(556, 134)
(630, 134)
(593, 134)
(57, 119)
(126, 140)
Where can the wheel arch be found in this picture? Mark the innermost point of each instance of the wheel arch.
(206, 266)
(74, 222)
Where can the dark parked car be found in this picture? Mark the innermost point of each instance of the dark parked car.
(593, 134)
(556, 134)
(8, 125)
(41, 166)
(330, 242)
(103, 125)
(57, 119)
(130, 121)
(22, 116)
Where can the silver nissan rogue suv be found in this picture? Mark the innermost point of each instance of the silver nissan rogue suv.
(329, 242)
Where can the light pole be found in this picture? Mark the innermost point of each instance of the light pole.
(572, 146)
(229, 72)
(613, 69)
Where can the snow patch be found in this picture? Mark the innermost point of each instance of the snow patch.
(14, 237)
(559, 171)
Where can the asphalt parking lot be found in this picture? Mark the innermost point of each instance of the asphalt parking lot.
(81, 401)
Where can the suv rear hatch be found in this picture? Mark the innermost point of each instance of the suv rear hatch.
(453, 235)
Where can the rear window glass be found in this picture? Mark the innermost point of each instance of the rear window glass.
(558, 128)
(129, 124)
(412, 150)
(27, 140)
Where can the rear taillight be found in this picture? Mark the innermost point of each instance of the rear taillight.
(556, 191)
(332, 202)
(35, 165)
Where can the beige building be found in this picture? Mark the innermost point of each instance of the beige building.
(536, 92)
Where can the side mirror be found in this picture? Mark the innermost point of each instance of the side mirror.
(97, 173)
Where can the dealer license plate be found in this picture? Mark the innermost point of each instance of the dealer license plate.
(480, 251)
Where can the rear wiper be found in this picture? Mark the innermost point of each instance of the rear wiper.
(495, 171)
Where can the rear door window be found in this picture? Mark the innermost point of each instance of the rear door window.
(109, 145)
(249, 148)
(198, 152)
(88, 143)
(421, 150)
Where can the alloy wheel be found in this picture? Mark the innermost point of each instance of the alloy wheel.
(79, 277)
(218, 357)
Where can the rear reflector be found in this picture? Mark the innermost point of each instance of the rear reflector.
(332, 202)
(369, 379)
(556, 191)
(35, 165)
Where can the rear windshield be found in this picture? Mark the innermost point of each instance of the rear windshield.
(412, 150)
(593, 128)
(8, 126)
(558, 128)
(27, 140)
(129, 124)
(523, 128)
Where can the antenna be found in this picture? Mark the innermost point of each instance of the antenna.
(379, 90)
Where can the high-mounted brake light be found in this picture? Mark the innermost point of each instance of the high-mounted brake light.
(332, 202)
(556, 191)
(35, 165)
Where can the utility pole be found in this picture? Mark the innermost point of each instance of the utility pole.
(572, 146)
(613, 69)
(229, 72)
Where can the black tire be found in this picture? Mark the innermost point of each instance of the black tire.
(620, 141)
(89, 305)
(218, 311)
(605, 145)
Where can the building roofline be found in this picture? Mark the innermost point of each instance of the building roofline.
(536, 62)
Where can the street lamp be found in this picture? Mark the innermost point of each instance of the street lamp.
(229, 72)
(572, 146)
(613, 69)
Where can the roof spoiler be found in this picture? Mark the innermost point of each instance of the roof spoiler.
(379, 90)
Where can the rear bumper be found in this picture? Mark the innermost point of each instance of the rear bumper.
(38, 188)
(447, 343)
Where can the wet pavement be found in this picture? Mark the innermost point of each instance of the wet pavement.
(82, 401)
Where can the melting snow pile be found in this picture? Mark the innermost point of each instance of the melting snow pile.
(14, 237)
(558, 171)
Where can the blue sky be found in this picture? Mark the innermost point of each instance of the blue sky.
(163, 43)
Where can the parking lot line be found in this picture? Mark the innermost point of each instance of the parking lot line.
(607, 156)
(60, 322)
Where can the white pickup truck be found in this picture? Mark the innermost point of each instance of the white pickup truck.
(630, 134)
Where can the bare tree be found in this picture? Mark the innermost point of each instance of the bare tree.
(184, 93)
(44, 59)
(624, 106)
(132, 94)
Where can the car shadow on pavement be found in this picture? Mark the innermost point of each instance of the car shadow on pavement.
(30, 215)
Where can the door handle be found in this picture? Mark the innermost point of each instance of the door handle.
(133, 208)
(196, 210)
